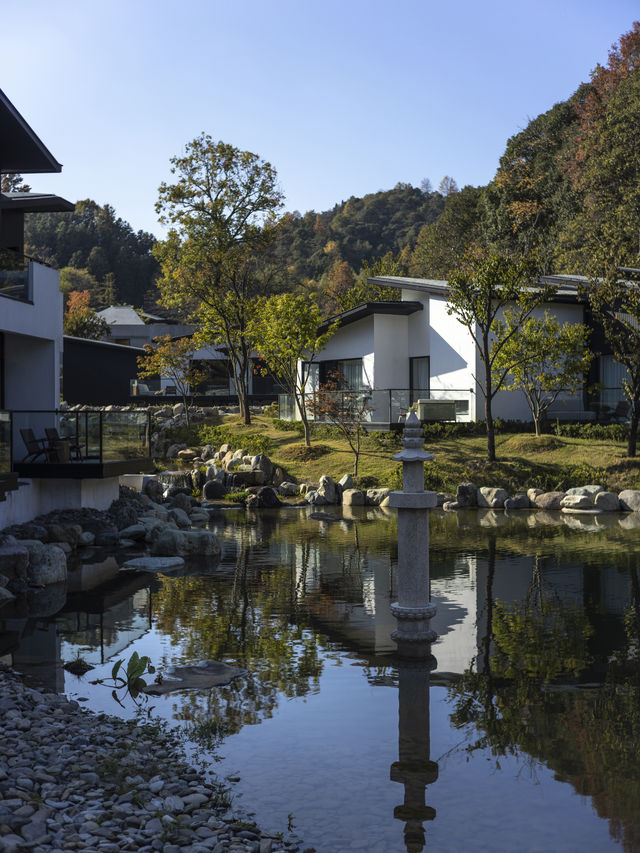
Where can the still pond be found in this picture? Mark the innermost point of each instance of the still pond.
(523, 737)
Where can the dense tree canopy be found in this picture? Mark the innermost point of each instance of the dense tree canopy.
(94, 239)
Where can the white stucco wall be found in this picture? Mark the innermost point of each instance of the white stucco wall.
(33, 342)
(391, 347)
(452, 355)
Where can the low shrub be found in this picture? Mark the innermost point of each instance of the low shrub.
(252, 442)
(239, 497)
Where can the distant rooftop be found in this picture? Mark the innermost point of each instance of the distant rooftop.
(568, 285)
(20, 149)
(121, 315)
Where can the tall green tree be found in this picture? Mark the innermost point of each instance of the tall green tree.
(217, 258)
(285, 333)
(485, 285)
(543, 359)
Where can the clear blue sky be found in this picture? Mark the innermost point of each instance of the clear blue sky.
(343, 98)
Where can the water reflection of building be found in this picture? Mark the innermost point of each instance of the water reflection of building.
(346, 591)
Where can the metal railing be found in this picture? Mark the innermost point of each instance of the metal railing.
(389, 405)
(99, 436)
(6, 455)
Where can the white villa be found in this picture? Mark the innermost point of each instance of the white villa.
(412, 351)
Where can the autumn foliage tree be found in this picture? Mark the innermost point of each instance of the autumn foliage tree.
(173, 359)
(81, 321)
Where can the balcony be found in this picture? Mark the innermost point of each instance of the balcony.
(388, 407)
(91, 444)
(14, 275)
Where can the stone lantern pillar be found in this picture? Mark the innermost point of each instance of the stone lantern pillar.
(413, 609)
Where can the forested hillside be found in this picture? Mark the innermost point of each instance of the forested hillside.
(567, 185)
(117, 261)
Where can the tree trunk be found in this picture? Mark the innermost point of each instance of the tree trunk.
(488, 394)
(185, 403)
(633, 429)
(305, 424)
(536, 423)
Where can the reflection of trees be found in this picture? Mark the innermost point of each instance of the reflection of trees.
(521, 701)
(541, 636)
(252, 622)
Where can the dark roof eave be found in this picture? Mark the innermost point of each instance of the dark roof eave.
(368, 309)
(22, 151)
(35, 203)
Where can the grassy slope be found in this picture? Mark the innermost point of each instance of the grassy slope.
(523, 459)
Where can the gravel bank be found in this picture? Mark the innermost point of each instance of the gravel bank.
(74, 780)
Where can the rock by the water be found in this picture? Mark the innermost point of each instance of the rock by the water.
(607, 501)
(202, 676)
(490, 497)
(630, 500)
(466, 495)
(213, 490)
(353, 497)
(47, 563)
(549, 500)
(578, 501)
(184, 543)
(154, 564)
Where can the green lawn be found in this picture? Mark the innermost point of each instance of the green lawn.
(549, 462)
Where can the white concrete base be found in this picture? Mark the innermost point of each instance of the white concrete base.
(137, 482)
(37, 497)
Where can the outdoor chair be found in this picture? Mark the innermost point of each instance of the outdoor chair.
(621, 412)
(58, 442)
(37, 447)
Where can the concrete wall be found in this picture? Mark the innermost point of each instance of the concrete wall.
(452, 354)
(391, 340)
(37, 497)
(33, 343)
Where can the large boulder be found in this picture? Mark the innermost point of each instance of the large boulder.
(353, 497)
(606, 501)
(185, 543)
(327, 489)
(582, 491)
(377, 497)
(532, 494)
(153, 489)
(490, 497)
(288, 489)
(261, 462)
(630, 500)
(314, 498)
(549, 500)
(213, 490)
(69, 533)
(207, 451)
(466, 495)
(187, 455)
(174, 449)
(584, 501)
(265, 497)
(519, 501)
(347, 482)
(14, 557)
(215, 473)
(182, 501)
(179, 517)
(47, 563)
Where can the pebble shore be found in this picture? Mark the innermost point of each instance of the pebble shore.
(74, 780)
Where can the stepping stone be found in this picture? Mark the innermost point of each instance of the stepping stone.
(154, 564)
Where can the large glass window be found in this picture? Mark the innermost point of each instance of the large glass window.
(612, 375)
(419, 377)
